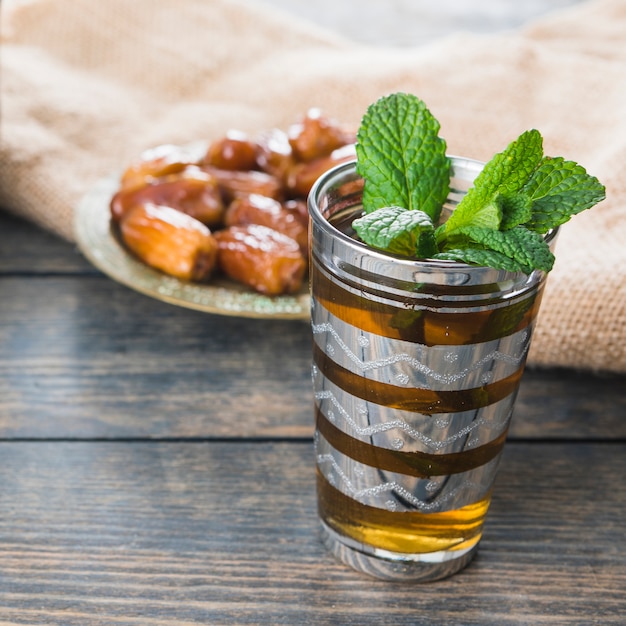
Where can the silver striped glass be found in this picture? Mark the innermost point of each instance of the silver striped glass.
(416, 366)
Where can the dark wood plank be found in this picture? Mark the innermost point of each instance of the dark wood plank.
(570, 404)
(86, 357)
(26, 248)
(91, 358)
(225, 533)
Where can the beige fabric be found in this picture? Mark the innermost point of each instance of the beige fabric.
(86, 85)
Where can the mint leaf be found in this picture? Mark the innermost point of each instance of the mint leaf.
(504, 175)
(401, 156)
(480, 256)
(559, 189)
(399, 231)
(516, 209)
(526, 248)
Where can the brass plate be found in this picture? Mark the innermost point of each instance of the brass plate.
(100, 245)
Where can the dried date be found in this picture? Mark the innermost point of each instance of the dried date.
(170, 241)
(262, 258)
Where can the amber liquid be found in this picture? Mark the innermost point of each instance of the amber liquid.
(401, 532)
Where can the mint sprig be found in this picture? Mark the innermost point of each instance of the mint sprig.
(401, 156)
(518, 197)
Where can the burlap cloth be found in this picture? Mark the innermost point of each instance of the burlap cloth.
(87, 85)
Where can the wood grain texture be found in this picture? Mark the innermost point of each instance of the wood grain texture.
(28, 249)
(90, 358)
(570, 404)
(81, 356)
(224, 533)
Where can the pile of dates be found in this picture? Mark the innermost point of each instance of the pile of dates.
(238, 209)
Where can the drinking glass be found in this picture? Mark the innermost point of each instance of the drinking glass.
(416, 367)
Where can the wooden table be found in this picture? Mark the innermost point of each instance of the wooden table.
(156, 467)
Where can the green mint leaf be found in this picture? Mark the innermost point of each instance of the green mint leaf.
(399, 231)
(559, 189)
(480, 256)
(401, 156)
(504, 175)
(525, 247)
(516, 209)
